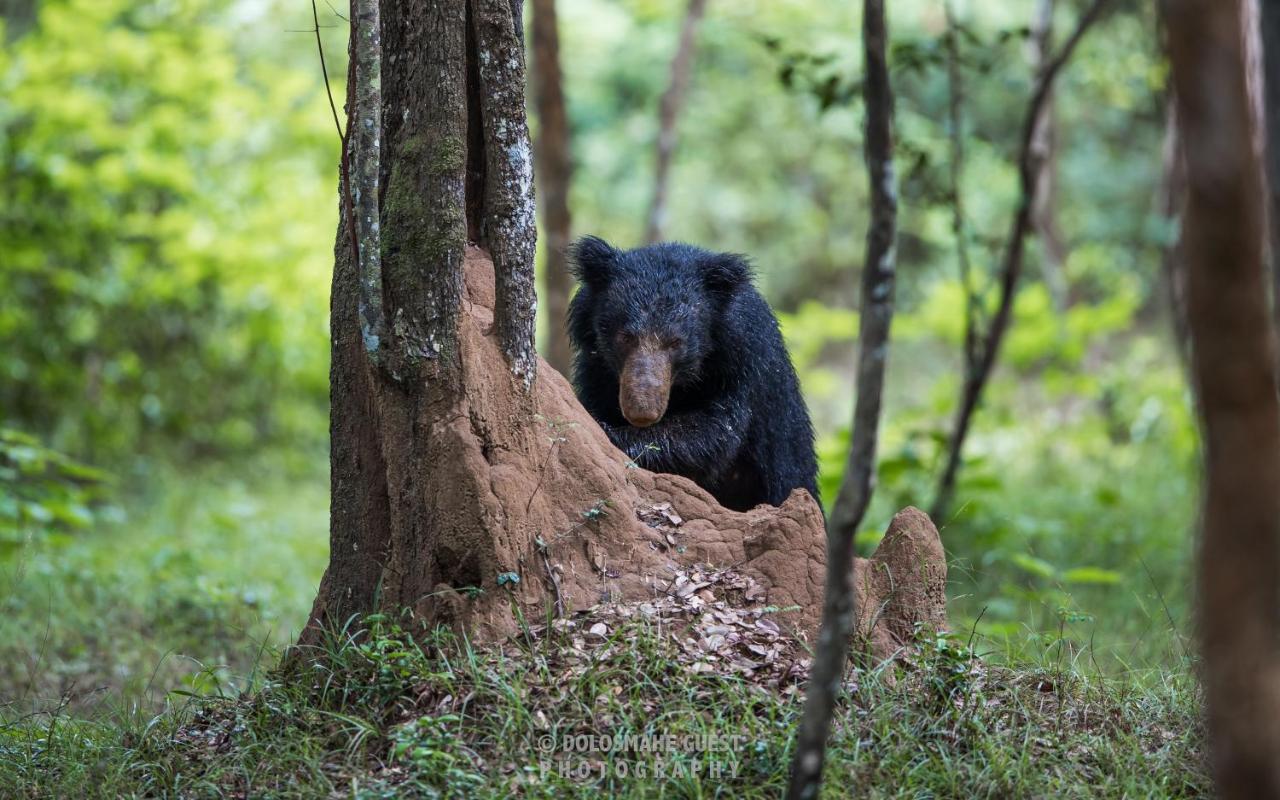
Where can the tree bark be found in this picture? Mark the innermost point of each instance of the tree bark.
(988, 347)
(555, 175)
(668, 114)
(839, 610)
(1234, 377)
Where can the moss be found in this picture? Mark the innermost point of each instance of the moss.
(415, 235)
(450, 155)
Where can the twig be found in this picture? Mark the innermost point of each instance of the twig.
(551, 575)
(324, 70)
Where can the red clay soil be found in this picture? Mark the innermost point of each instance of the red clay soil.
(553, 502)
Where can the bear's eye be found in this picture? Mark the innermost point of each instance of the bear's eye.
(672, 342)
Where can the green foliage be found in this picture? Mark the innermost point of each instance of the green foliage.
(149, 227)
(44, 493)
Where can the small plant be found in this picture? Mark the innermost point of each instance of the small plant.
(439, 760)
(43, 491)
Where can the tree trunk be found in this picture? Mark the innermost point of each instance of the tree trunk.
(1044, 208)
(19, 16)
(555, 173)
(452, 158)
(839, 611)
(668, 113)
(1269, 21)
(1234, 377)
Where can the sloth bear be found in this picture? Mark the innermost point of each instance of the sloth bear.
(680, 360)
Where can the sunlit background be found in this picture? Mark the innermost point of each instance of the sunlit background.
(168, 203)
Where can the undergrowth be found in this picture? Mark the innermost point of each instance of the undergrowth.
(380, 713)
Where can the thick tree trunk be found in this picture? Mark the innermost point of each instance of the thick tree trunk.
(838, 614)
(1234, 376)
(394, 386)
(555, 174)
(668, 114)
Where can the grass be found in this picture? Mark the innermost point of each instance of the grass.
(391, 716)
(204, 572)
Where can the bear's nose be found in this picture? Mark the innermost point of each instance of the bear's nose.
(645, 386)
(643, 420)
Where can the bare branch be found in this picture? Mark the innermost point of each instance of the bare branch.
(1029, 160)
(324, 70)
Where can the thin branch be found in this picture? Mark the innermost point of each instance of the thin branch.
(344, 168)
(838, 613)
(335, 12)
(959, 227)
(1011, 263)
(324, 70)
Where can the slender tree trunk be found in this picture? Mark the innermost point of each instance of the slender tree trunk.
(555, 174)
(959, 225)
(1234, 376)
(668, 114)
(1172, 198)
(1269, 21)
(1044, 210)
(975, 381)
(839, 613)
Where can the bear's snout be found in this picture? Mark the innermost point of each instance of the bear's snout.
(645, 384)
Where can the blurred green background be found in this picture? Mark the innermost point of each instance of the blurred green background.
(168, 202)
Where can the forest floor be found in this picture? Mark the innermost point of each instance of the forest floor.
(139, 661)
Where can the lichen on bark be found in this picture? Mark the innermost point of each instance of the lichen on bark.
(509, 229)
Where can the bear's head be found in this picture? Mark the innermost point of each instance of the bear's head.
(651, 314)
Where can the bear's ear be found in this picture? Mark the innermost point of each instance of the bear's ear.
(725, 272)
(593, 260)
